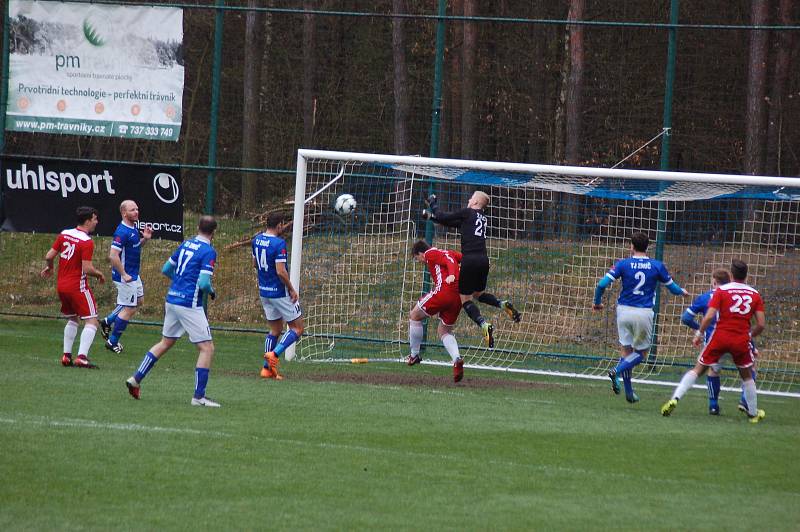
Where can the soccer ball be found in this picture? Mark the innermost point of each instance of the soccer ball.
(345, 204)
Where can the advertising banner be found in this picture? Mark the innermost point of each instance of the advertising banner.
(98, 70)
(41, 195)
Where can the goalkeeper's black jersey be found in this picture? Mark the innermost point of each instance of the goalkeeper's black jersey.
(472, 224)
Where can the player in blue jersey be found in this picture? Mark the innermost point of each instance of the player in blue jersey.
(278, 296)
(126, 258)
(640, 277)
(698, 308)
(190, 268)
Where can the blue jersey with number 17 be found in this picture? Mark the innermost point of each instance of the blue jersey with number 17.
(640, 278)
(267, 250)
(190, 259)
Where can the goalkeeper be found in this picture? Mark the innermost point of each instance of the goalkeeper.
(473, 224)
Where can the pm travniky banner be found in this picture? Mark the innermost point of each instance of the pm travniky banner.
(98, 70)
(41, 195)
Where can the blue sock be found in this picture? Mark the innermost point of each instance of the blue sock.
(147, 364)
(626, 382)
(200, 382)
(114, 313)
(119, 327)
(629, 362)
(713, 391)
(269, 345)
(288, 339)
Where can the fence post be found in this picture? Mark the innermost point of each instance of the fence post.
(665, 139)
(4, 88)
(215, 81)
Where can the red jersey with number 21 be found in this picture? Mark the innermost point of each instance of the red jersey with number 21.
(736, 304)
(73, 246)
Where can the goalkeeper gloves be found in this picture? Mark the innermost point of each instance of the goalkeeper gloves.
(432, 203)
(428, 215)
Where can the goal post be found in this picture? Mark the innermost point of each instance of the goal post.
(553, 232)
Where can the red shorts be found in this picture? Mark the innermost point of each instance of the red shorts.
(77, 303)
(446, 304)
(738, 346)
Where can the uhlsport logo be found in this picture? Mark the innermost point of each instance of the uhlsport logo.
(166, 187)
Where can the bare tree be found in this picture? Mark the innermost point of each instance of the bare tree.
(574, 107)
(756, 90)
(400, 79)
(781, 68)
(309, 67)
(468, 103)
(250, 129)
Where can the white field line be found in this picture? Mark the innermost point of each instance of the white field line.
(99, 425)
(604, 378)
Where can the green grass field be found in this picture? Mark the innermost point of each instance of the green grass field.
(370, 446)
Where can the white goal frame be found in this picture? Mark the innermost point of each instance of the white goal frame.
(301, 196)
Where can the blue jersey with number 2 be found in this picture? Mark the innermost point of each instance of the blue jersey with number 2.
(190, 259)
(640, 277)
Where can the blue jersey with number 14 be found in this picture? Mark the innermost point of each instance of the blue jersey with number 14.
(640, 277)
(268, 250)
(193, 257)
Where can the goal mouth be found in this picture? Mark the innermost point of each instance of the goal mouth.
(553, 233)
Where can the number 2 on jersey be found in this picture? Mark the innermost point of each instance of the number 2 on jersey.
(641, 277)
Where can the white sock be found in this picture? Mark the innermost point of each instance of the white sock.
(87, 337)
(751, 396)
(415, 333)
(449, 343)
(686, 383)
(70, 332)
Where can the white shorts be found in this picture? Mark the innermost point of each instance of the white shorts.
(276, 308)
(128, 294)
(635, 326)
(178, 319)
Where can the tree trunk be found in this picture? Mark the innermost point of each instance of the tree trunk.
(756, 90)
(468, 103)
(271, 188)
(781, 66)
(574, 107)
(400, 80)
(453, 85)
(559, 147)
(250, 103)
(309, 67)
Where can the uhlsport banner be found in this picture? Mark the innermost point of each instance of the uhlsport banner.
(100, 70)
(41, 195)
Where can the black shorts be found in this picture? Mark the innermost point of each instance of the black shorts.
(473, 275)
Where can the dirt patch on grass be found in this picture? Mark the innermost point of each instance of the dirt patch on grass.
(410, 378)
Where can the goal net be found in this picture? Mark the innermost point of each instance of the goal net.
(553, 233)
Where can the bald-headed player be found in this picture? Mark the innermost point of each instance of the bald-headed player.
(126, 258)
(473, 225)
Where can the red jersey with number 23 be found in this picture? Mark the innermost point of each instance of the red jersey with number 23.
(73, 246)
(736, 304)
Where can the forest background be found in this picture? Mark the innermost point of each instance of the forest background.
(518, 83)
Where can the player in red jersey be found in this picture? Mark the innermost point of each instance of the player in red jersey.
(74, 248)
(734, 305)
(443, 299)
